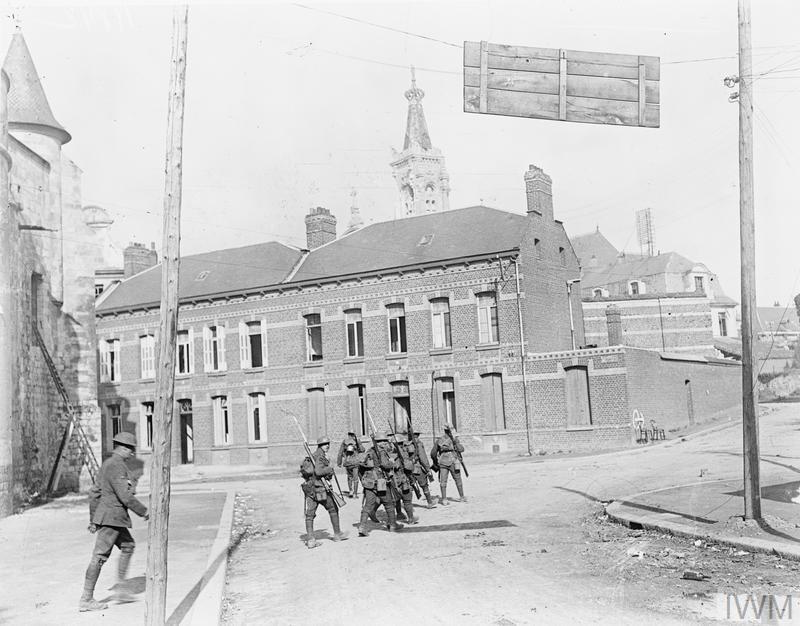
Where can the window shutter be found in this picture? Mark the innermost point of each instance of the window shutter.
(221, 338)
(191, 350)
(217, 411)
(251, 431)
(142, 438)
(264, 350)
(499, 410)
(208, 363)
(244, 346)
(104, 370)
(262, 413)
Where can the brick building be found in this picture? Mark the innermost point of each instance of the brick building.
(48, 257)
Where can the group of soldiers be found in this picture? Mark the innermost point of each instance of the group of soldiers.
(391, 472)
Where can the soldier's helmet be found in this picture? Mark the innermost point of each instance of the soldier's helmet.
(447, 428)
(379, 438)
(389, 435)
(323, 440)
(126, 439)
(417, 433)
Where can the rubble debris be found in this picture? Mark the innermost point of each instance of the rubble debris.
(690, 574)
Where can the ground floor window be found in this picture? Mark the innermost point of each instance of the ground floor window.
(447, 395)
(187, 431)
(222, 431)
(257, 413)
(401, 401)
(358, 409)
(146, 425)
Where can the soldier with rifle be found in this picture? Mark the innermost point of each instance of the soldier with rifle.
(446, 457)
(375, 467)
(349, 451)
(316, 470)
(422, 469)
(403, 480)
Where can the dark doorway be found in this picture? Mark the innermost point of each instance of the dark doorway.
(187, 432)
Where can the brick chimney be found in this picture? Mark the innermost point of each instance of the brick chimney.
(137, 258)
(539, 190)
(614, 322)
(320, 227)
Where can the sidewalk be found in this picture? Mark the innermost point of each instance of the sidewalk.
(713, 511)
(45, 551)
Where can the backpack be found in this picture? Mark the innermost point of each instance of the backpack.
(307, 468)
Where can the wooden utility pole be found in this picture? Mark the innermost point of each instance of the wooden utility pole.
(752, 489)
(157, 530)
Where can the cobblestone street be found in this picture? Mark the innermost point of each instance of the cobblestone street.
(531, 546)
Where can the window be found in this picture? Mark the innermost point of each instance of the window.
(401, 402)
(98, 289)
(440, 311)
(185, 357)
(597, 293)
(635, 287)
(493, 405)
(115, 420)
(448, 396)
(397, 328)
(257, 416)
(577, 391)
(317, 423)
(355, 333)
(253, 344)
(723, 324)
(563, 256)
(430, 198)
(214, 349)
(187, 431)
(537, 246)
(699, 285)
(313, 337)
(358, 409)
(222, 426)
(487, 318)
(109, 361)
(146, 425)
(147, 352)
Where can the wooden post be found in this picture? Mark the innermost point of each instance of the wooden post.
(752, 490)
(157, 530)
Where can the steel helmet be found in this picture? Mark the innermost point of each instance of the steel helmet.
(321, 441)
(125, 438)
(381, 438)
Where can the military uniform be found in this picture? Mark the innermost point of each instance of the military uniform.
(422, 468)
(316, 470)
(403, 475)
(444, 457)
(375, 469)
(349, 451)
(109, 501)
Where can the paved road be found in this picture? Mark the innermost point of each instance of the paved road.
(527, 548)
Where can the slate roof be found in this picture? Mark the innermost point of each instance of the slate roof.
(449, 235)
(636, 268)
(777, 319)
(233, 269)
(27, 103)
(732, 346)
(595, 245)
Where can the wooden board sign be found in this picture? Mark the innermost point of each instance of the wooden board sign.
(567, 85)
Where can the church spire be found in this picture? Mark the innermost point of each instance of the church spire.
(416, 127)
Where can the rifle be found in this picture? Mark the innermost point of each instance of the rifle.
(391, 480)
(458, 454)
(337, 498)
(400, 455)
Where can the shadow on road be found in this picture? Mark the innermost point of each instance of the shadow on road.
(494, 523)
(739, 454)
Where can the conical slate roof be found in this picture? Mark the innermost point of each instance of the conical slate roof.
(28, 108)
(416, 127)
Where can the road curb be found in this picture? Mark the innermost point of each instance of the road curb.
(651, 522)
(207, 608)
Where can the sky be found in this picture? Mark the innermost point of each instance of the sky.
(291, 106)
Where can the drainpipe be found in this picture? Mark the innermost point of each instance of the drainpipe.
(569, 303)
(522, 359)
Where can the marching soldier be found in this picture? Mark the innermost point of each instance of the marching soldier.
(403, 475)
(314, 470)
(109, 502)
(445, 461)
(422, 469)
(349, 450)
(375, 467)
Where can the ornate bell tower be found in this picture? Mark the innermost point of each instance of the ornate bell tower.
(419, 169)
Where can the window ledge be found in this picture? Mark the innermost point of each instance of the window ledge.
(183, 375)
(396, 355)
(217, 373)
(147, 379)
(253, 370)
(353, 359)
(488, 346)
(312, 364)
(572, 429)
(435, 351)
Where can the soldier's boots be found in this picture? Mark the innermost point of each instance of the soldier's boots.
(91, 605)
(399, 515)
(443, 499)
(363, 531)
(311, 541)
(412, 519)
(431, 503)
(87, 601)
(338, 535)
(393, 525)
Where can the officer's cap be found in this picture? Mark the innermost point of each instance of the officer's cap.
(323, 440)
(126, 439)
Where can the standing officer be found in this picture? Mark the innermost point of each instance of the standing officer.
(422, 467)
(403, 475)
(109, 502)
(445, 459)
(314, 469)
(375, 468)
(349, 450)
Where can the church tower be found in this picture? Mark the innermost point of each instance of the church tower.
(419, 169)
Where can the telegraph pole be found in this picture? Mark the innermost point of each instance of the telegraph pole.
(752, 489)
(157, 529)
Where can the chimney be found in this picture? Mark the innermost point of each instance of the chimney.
(539, 190)
(138, 258)
(320, 227)
(614, 322)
